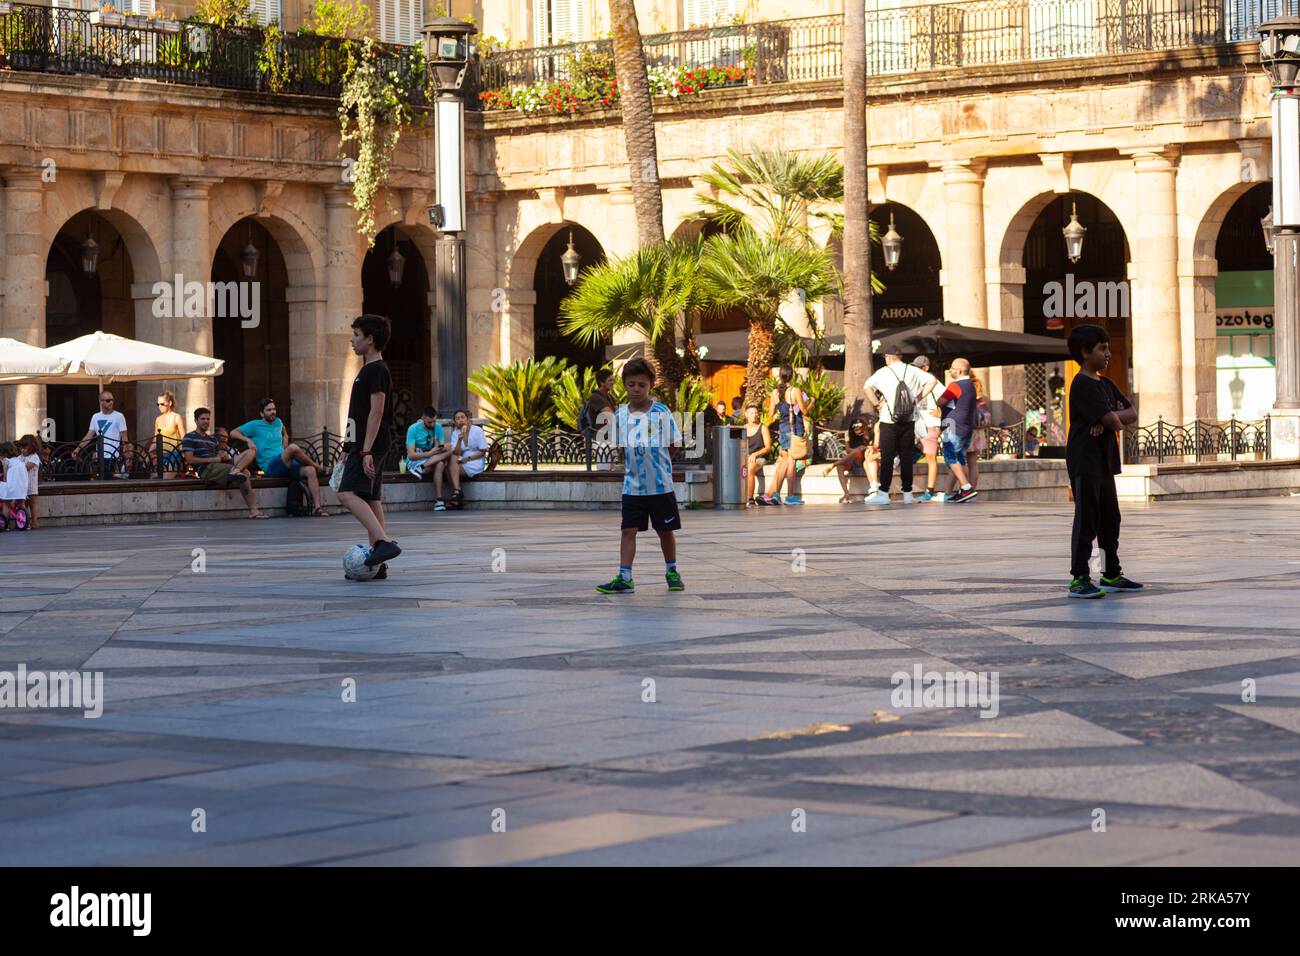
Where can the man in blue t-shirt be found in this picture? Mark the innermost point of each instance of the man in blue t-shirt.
(276, 457)
(425, 446)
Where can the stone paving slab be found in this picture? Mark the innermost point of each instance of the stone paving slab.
(522, 691)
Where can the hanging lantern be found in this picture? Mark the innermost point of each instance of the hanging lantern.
(396, 263)
(570, 261)
(249, 258)
(1269, 229)
(89, 254)
(1074, 236)
(892, 243)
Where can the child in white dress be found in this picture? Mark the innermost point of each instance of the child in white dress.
(13, 490)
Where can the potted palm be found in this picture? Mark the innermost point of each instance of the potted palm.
(108, 16)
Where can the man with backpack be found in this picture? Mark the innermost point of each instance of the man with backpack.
(960, 417)
(894, 391)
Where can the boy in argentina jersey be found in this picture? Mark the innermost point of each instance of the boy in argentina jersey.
(647, 432)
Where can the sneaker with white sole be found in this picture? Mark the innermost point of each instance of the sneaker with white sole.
(907, 498)
(879, 498)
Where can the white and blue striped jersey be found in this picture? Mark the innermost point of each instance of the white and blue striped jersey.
(647, 439)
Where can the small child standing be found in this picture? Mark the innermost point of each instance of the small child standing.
(30, 448)
(646, 431)
(1098, 411)
(13, 488)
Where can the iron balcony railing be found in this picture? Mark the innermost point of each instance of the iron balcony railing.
(1201, 440)
(915, 38)
(58, 40)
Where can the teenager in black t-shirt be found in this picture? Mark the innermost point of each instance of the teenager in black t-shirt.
(370, 416)
(1098, 412)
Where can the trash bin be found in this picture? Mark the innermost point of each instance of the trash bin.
(727, 459)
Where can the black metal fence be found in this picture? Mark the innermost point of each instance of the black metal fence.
(1201, 440)
(916, 38)
(57, 40)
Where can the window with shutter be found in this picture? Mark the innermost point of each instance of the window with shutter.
(266, 11)
(568, 21)
(140, 8)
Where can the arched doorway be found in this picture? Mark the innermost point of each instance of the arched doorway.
(406, 304)
(81, 302)
(1245, 364)
(256, 356)
(912, 294)
(550, 287)
(1060, 294)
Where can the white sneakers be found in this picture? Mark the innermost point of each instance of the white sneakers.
(907, 498)
(878, 498)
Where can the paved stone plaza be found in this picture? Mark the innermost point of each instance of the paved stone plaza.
(516, 695)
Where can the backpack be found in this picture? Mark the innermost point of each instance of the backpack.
(904, 407)
(297, 503)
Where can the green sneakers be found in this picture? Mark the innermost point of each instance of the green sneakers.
(1084, 588)
(675, 581)
(1120, 583)
(617, 586)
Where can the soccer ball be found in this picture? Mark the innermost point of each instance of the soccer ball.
(354, 564)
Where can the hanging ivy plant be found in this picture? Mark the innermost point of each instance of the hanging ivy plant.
(378, 93)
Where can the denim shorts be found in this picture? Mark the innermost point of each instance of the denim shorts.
(954, 448)
(276, 468)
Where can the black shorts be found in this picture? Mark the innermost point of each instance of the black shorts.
(639, 511)
(355, 480)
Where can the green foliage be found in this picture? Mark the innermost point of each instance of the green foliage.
(519, 396)
(224, 13)
(691, 397)
(574, 387)
(373, 106)
(272, 60)
(646, 291)
(346, 19)
(756, 273)
(780, 187)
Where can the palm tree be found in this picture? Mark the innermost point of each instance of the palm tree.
(857, 241)
(638, 122)
(756, 274)
(781, 187)
(654, 290)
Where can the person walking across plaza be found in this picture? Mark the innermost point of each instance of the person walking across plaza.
(647, 432)
(370, 410)
(928, 421)
(959, 417)
(1098, 413)
(894, 392)
(979, 439)
(788, 405)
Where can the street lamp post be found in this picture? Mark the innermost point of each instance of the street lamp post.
(449, 49)
(1279, 53)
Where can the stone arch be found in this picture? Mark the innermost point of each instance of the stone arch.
(134, 298)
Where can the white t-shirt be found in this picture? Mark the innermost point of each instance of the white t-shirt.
(885, 381)
(475, 442)
(111, 427)
(14, 487)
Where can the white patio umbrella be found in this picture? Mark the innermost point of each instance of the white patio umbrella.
(101, 357)
(18, 359)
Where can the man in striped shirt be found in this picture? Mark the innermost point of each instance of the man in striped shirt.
(647, 433)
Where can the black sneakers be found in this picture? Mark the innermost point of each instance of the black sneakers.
(383, 551)
(963, 495)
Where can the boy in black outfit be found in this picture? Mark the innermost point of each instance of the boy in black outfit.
(1098, 410)
(370, 410)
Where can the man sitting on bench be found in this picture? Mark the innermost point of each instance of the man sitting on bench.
(216, 465)
(276, 457)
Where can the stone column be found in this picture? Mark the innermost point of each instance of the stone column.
(485, 295)
(1155, 326)
(963, 280)
(24, 291)
(324, 395)
(1006, 303)
(191, 259)
(1196, 297)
